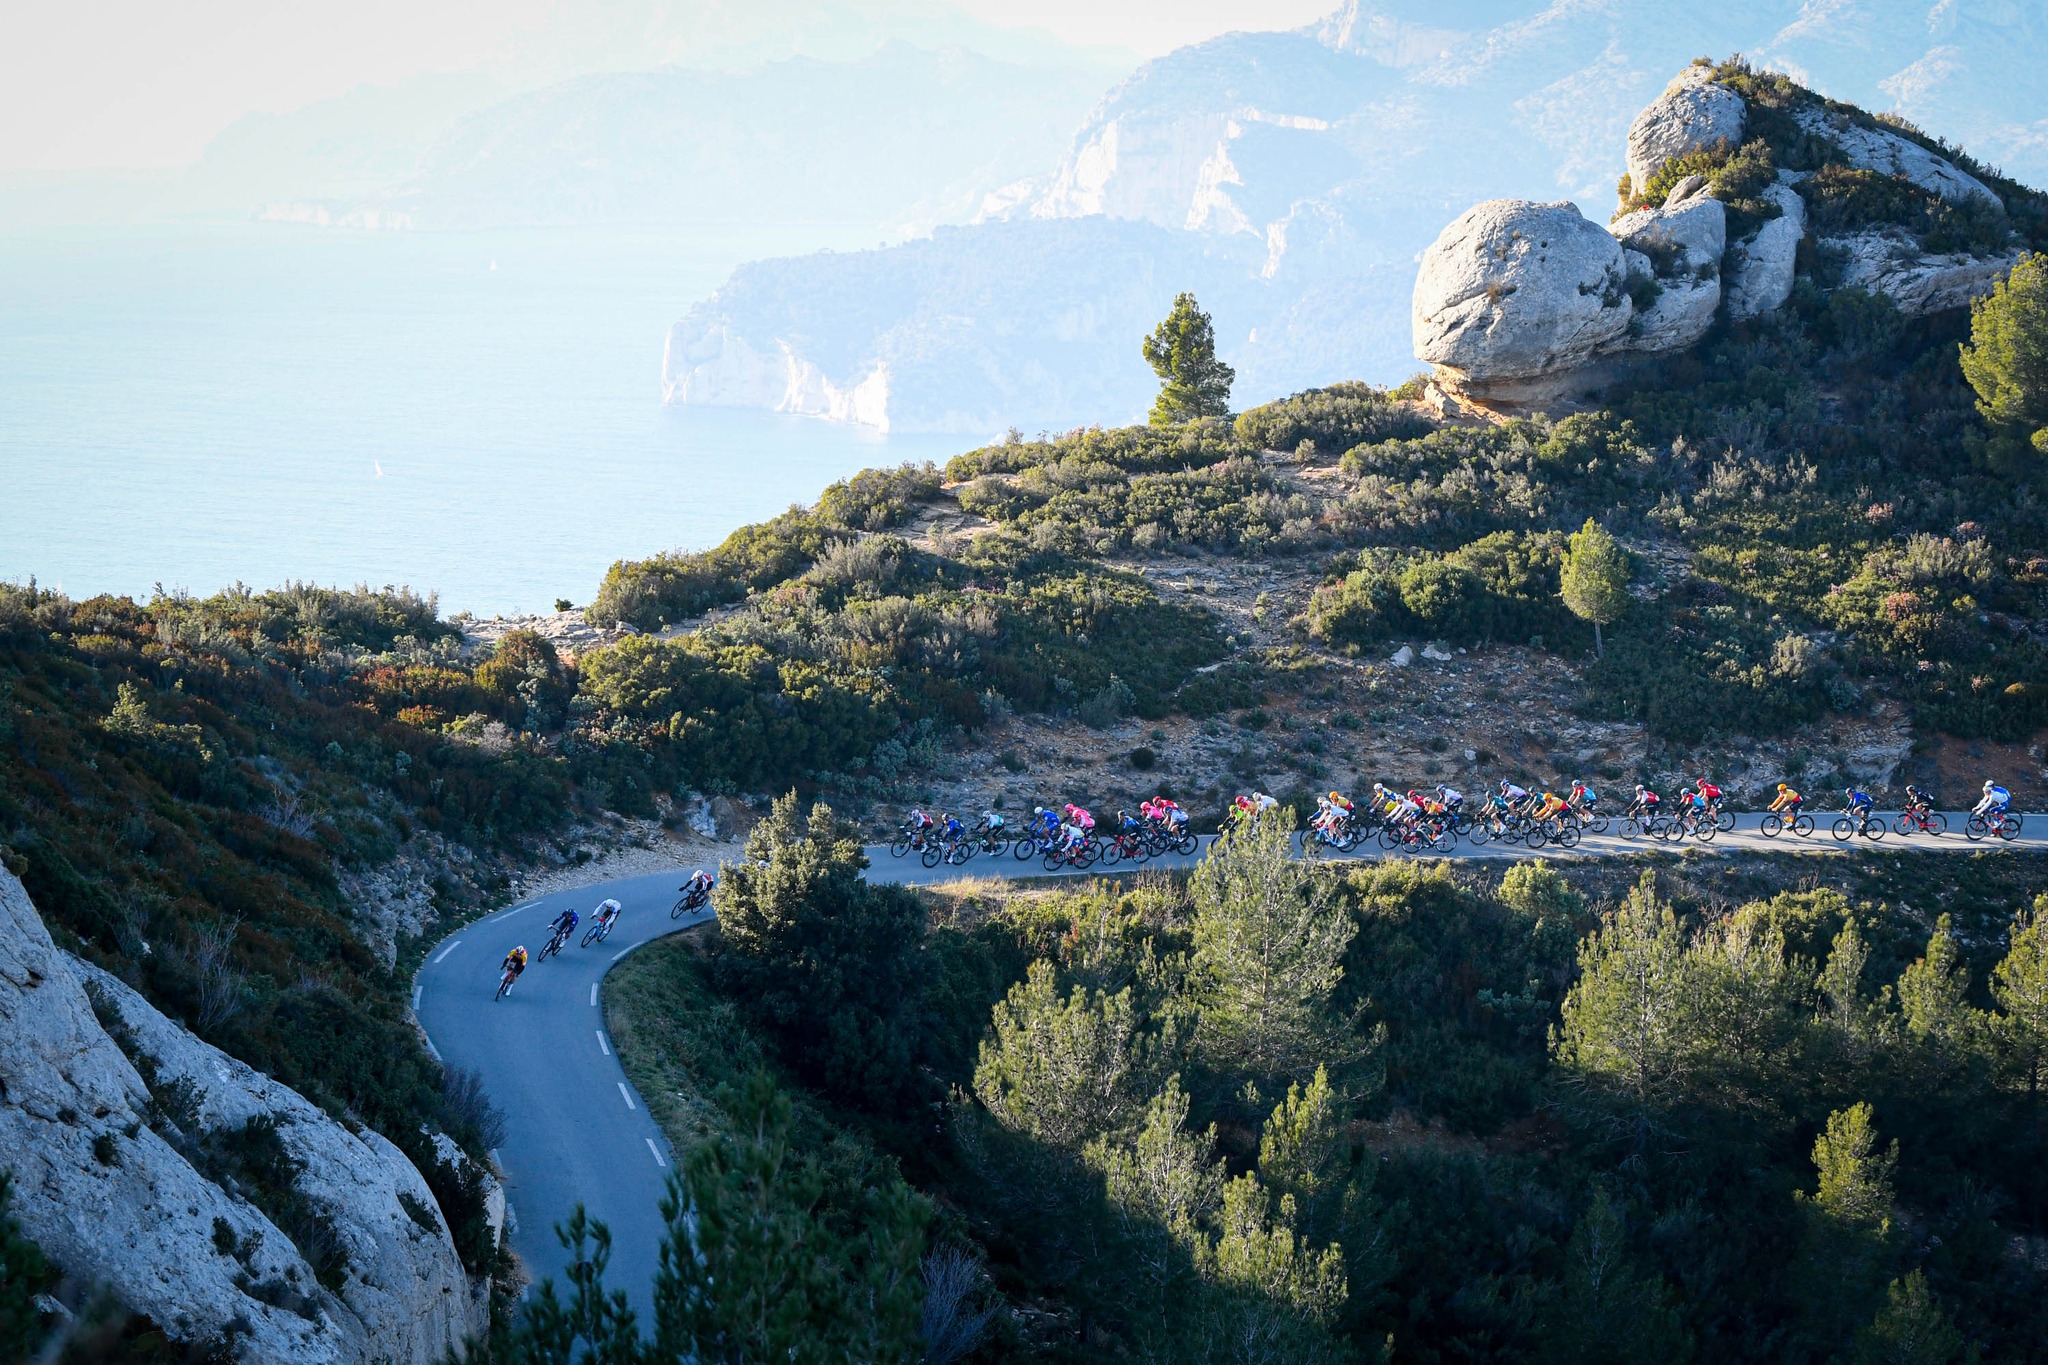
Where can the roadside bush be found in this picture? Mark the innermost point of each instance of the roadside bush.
(1501, 587)
(1333, 419)
(876, 499)
(651, 593)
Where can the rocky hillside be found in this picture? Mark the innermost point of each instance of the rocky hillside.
(1739, 185)
(200, 1192)
(1315, 165)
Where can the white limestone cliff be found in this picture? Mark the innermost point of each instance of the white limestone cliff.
(1760, 268)
(1692, 115)
(113, 1201)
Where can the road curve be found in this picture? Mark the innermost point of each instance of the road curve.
(576, 1132)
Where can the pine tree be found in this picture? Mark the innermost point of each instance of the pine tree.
(1933, 996)
(1911, 1329)
(1625, 1019)
(1611, 1310)
(1270, 937)
(1594, 579)
(2006, 360)
(1182, 352)
(1855, 1181)
(1064, 1071)
(2020, 985)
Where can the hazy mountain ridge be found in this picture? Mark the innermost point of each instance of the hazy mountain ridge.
(1334, 154)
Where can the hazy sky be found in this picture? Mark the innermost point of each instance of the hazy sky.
(90, 84)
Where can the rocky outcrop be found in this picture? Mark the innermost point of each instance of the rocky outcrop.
(1514, 289)
(1692, 115)
(1892, 263)
(1682, 245)
(1887, 153)
(105, 1185)
(1760, 268)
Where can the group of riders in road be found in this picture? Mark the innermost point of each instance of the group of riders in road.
(696, 893)
(1419, 820)
(1416, 820)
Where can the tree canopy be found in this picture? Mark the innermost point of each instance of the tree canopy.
(1182, 352)
(2006, 359)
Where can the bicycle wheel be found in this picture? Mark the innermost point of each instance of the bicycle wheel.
(1772, 826)
(1388, 839)
(1632, 828)
(959, 853)
(899, 847)
(1724, 820)
(1937, 823)
(590, 935)
(1051, 861)
(1535, 837)
(1802, 825)
(1873, 830)
(1597, 825)
(1025, 849)
(1481, 831)
(1844, 828)
(2008, 827)
(930, 856)
(1975, 828)
(1567, 836)
(1112, 853)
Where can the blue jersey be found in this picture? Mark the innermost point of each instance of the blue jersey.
(1857, 798)
(1999, 796)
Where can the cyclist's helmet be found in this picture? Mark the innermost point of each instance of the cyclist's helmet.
(1989, 784)
(1335, 797)
(1783, 787)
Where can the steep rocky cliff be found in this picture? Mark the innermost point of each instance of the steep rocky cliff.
(200, 1192)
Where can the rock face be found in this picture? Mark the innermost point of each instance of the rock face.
(112, 1199)
(1682, 243)
(1890, 262)
(1760, 268)
(1514, 289)
(1692, 115)
(1887, 153)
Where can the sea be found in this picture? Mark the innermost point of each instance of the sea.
(477, 415)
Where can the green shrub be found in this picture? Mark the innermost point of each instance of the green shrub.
(1334, 419)
(876, 499)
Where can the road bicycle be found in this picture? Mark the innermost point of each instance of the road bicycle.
(1418, 836)
(1164, 839)
(2005, 826)
(911, 838)
(952, 852)
(1794, 821)
(1644, 824)
(1700, 825)
(600, 929)
(1920, 820)
(1127, 846)
(556, 942)
(691, 901)
(505, 985)
(1082, 854)
(1869, 824)
(1560, 830)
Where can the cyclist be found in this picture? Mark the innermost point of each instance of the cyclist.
(1788, 801)
(1127, 823)
(698, 888)
(990, 826)
(1917, 799)
(1997, 801)
(1402, 811)
(1451, 798)
(1582, 798)
(1044, 824)
(515, 962)
(1859, 805)
(1706, 796)
(1071, 834)
(953, 828)
(564, 925)
(918, 825)
(1080, 819)
(606, 913)
(1646, 802)
(1513, 797)
(1549, 807)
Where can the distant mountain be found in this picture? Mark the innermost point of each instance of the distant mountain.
(1329, 157)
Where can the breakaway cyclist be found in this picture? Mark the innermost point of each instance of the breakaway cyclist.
(1859, 805)
(697, 890)
(607, 911)
(1451, 797)
(564, 925)
(1646, 802)
(1917, 799)
(1997, 800)
(515, 963)
(1788, 802)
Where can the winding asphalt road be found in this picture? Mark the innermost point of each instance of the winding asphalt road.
(577, 1133)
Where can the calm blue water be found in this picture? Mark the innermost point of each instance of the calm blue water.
(197, 407)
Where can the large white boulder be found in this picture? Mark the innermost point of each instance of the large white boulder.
(1693, 114)
(1887, 153)
(1759, 270)
(1682, 245)
(1514, 289)
(112, 1201)
(1889, 261)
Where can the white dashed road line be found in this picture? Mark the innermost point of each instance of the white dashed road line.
(627, 1096)
(431, 1048)
(659, 1159)
(620, 953)
(593, 995)
(602, 1045)
(445, 951)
